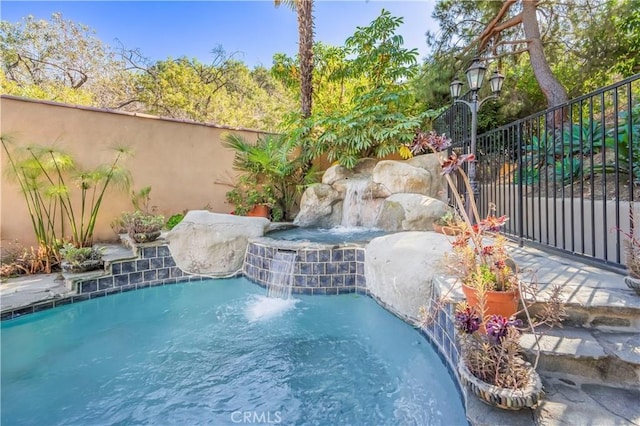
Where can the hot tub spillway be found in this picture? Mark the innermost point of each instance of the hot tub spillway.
(280, 281)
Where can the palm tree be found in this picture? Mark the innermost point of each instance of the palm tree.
(304, 9)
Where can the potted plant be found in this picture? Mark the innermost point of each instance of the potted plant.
(142, 227)
(80, 259)
(250, 198)
(448, 224)
(491, 364)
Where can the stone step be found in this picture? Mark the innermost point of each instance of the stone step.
(593, 356)
(612, 307)
(569, 402)
(598, 317)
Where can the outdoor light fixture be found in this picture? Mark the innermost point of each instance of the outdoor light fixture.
(475, 77)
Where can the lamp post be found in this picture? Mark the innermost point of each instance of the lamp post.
(475, 76)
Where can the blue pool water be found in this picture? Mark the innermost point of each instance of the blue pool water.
(336, 235)
(217, 353)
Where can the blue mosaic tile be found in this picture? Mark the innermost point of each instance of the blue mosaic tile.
(149, 252)
(324, 280)
(306, 268)
(332, 268)
(176, 272)
(361, 281)
(163, 251)
(65, 301)
(150, 275)
(163, 273)
(116, 268)
(169, 281)
(128, 287)
(299, 281)
(120, 280)
(312, 256)
(297, 268)
(6, 316)
(128, 266)
(80, 298)
(359, 268)
(350, 255)
(156, 263)
(337, 255)
(343, 267)
(99, 293)
(113, 290)
(319, 268)
(346, 290)
(313, 281)
(360, 255)
(135, 277)
(24, 311)
(320, 291)
(142, 285)
(88, 286)
(350, 280)
(105, 283)
(337, 281)
(43, 306)
(142, 265)
(155, 283)
(324, 255)
(169, 262)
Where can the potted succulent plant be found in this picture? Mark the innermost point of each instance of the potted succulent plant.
(142, 227)
(448, 224)
(80, 259)
(491, 363)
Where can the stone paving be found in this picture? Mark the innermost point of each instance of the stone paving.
(599, 299)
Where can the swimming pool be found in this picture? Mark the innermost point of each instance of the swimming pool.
(219, 352)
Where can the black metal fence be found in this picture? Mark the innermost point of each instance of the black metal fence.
(567, 177)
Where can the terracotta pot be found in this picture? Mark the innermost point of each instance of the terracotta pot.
(446, 230)
(503, 303)
(259, 210)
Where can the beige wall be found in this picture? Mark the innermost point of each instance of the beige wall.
(185, 163)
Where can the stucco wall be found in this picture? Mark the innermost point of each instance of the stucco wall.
(185, 163)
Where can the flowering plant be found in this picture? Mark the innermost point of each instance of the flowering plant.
(479, 256)
(495, 356)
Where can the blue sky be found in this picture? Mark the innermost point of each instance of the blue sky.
(257, 29)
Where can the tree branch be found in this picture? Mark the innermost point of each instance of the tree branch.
(489, 30)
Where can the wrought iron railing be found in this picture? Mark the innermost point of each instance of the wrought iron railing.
(567, 177)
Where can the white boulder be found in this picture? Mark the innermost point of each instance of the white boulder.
(399, 269)
(410, 212)
(213, 243)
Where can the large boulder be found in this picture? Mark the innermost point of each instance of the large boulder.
(431, 162)
(317, 207)
(212, 243)
(410, 212)
(363, 169)
(399, 269)
(402, 177)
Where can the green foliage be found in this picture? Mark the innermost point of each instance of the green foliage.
(44, 175)
(76, 255)
(174, 220)
(139, 222)
(382, 115)
(270, 162)
(248, 193)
